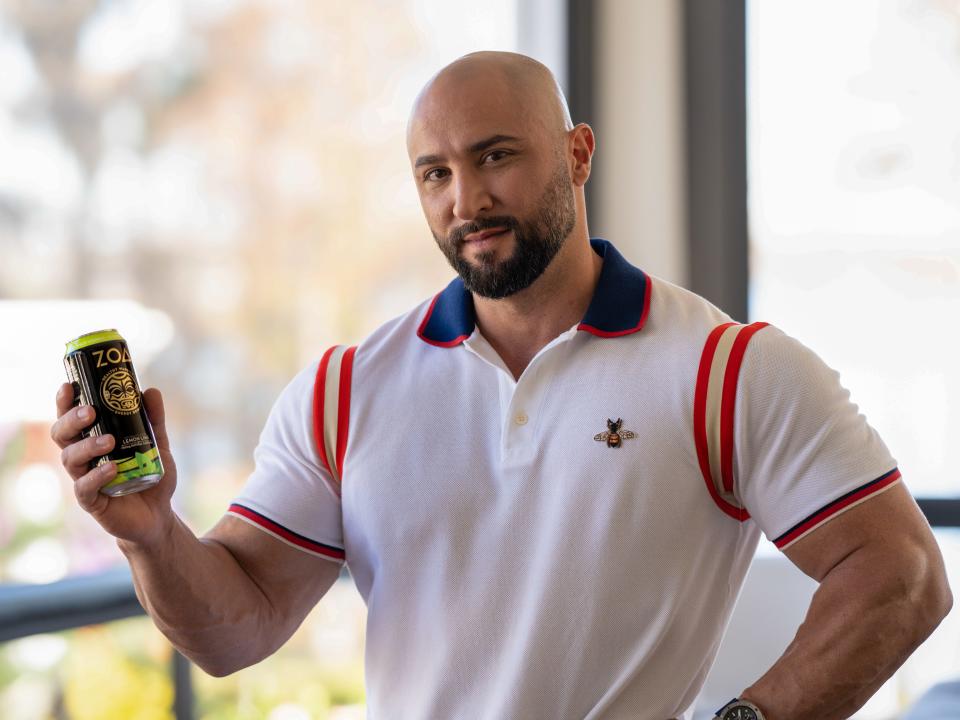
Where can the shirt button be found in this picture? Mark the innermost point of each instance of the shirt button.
(521, 419)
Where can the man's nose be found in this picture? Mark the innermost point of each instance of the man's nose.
(471, 197)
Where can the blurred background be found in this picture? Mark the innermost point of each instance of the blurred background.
(226, 183)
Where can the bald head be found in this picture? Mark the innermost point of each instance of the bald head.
(500, 169)
(509, 81)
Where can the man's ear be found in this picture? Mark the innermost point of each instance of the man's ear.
(582, 143)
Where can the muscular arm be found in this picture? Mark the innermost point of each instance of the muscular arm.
(231, 598)
(883, 590)
(226, 600)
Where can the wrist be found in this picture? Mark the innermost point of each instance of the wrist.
(161, 538)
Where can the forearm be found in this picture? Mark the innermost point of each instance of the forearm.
(199, 596)
(866, 618)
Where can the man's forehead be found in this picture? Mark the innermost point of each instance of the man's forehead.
(488, 93)
(457, 121)
(461, 132)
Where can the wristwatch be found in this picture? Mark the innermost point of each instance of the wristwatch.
(738, 709)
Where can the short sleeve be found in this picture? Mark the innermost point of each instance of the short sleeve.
(290, 494)
(804, 452)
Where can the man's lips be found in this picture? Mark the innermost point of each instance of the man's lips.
(483, 235)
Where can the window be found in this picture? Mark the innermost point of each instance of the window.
(854, 215)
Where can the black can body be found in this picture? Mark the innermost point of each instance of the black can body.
(98, 365)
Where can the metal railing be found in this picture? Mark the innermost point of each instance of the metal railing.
(79, 601)
(941, 512)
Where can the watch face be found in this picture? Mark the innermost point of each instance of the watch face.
(739, 712)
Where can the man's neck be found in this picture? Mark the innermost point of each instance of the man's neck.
(519, 326)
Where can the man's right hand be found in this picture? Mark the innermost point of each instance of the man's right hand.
(143, 518)
(260, 584)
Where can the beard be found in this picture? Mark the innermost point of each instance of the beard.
(536, 243)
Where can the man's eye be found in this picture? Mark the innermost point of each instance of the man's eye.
(495, 155)
(435, 174)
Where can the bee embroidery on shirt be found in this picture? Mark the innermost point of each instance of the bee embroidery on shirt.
(615, 436)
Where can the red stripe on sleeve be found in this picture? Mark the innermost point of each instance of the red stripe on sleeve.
(343, 411)
(700, 421)
(319, 391)
(728, 401)
(837, 506)
(288, 535)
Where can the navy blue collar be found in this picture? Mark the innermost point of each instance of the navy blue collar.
(620, 304)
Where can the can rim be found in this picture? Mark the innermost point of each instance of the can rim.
(93, 338)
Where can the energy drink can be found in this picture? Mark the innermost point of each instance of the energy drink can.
(99, 367)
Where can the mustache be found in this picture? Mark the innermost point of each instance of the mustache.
(455, 239)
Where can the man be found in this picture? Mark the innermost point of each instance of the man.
(548, 480)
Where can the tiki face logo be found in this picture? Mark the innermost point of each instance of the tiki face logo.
(119, 391)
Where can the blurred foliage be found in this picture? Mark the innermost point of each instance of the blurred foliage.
(12, 450)
(251, 694)
(108, 677)
(120, 671)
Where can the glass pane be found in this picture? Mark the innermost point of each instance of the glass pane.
(854, 176)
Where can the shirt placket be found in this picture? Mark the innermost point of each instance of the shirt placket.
(521, 420)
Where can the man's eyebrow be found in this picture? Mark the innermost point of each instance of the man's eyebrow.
(475, 148)
(492, 140)
(427, 160)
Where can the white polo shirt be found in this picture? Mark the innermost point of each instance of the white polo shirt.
(516, 560)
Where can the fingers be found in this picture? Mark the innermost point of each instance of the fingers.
(64, 398)
(66, 430)
(153, 402)
(87, 487)
(77, 456)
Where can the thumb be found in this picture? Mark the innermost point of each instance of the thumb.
(153, 402)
